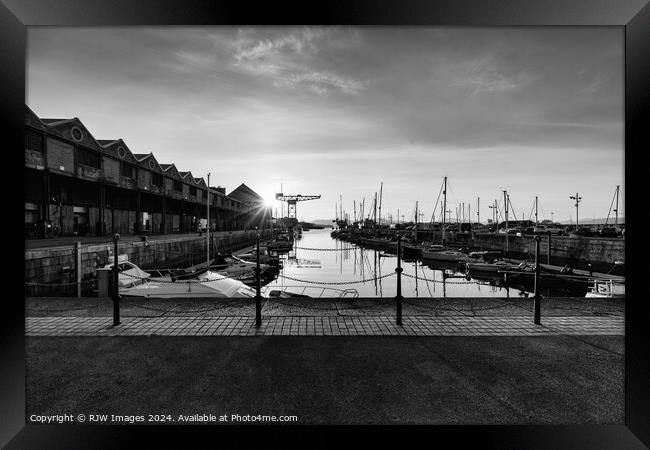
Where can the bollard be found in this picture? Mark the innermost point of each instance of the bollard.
(116, 294)
(548, 249)
(258, 295)
(78, 268)
(536, 297)
(399, 280)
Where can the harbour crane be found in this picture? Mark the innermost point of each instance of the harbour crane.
(292, 200)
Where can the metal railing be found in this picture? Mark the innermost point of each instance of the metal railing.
(325, 286)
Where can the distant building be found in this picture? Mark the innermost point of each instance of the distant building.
(78, 185)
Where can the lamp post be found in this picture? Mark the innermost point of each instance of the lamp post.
(578, 199)
(208, 228)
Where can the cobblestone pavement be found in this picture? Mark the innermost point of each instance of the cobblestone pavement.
(323, 326)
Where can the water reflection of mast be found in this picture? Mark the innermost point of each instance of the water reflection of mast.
(381, 294)
(416, 278)
(375, 272)
(444, 285)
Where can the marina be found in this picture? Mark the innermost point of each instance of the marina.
(342, 225)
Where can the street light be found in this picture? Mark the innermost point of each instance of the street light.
(577, 198)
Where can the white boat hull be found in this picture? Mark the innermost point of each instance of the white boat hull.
(209, 284)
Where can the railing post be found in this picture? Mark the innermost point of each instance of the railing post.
(116, 294)
(78, 268)
(258, 285)
(398, 270)
(548, 248)
(536, 298)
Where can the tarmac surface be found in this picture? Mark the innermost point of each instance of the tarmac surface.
(333, 380)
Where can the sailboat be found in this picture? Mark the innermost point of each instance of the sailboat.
(411, 247)
(438, 251)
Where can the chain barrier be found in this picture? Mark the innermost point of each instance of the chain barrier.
(326, 249)
(334, 283)
(446, 282)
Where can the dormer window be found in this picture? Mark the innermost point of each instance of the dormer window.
(88, 158)
(33, 141)
(128, 170)
(157, 179)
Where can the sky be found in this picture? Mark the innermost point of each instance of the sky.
(336, 111)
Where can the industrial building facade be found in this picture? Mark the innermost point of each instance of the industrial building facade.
(78, 185)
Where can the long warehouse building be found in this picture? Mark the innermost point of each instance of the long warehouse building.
(78, 185)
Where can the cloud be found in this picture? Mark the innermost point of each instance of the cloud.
(485, 75)
(290, 60)
(596, 82)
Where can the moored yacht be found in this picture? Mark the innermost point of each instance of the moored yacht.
(441, 253)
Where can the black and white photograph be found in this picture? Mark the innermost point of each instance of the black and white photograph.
(325, 225)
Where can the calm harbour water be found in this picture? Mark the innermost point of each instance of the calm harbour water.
(353, 263)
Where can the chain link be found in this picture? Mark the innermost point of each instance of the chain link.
(333, 283)
(446, 282)
(326, 249)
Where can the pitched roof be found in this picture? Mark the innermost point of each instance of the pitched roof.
(245, 194)
(105, 142)
(53, 121)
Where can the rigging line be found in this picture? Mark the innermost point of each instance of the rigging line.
(610, 208)
(499, 213)
(512, 208)
(426, 282)
(532, 208)
(435, 206)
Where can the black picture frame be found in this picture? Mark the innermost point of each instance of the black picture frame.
(633, 15)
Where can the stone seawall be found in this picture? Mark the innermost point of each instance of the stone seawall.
(58, 264)
(576, 251)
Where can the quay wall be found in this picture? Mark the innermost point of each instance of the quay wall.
(577, 251)
(58, 264)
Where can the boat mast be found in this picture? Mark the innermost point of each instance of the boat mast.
(381, 188)
(208, 230)
(478, 210)
(536, 211)
(374, 217)
(444, 209)
(416, 225)
(616, 210)
(505, 201)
